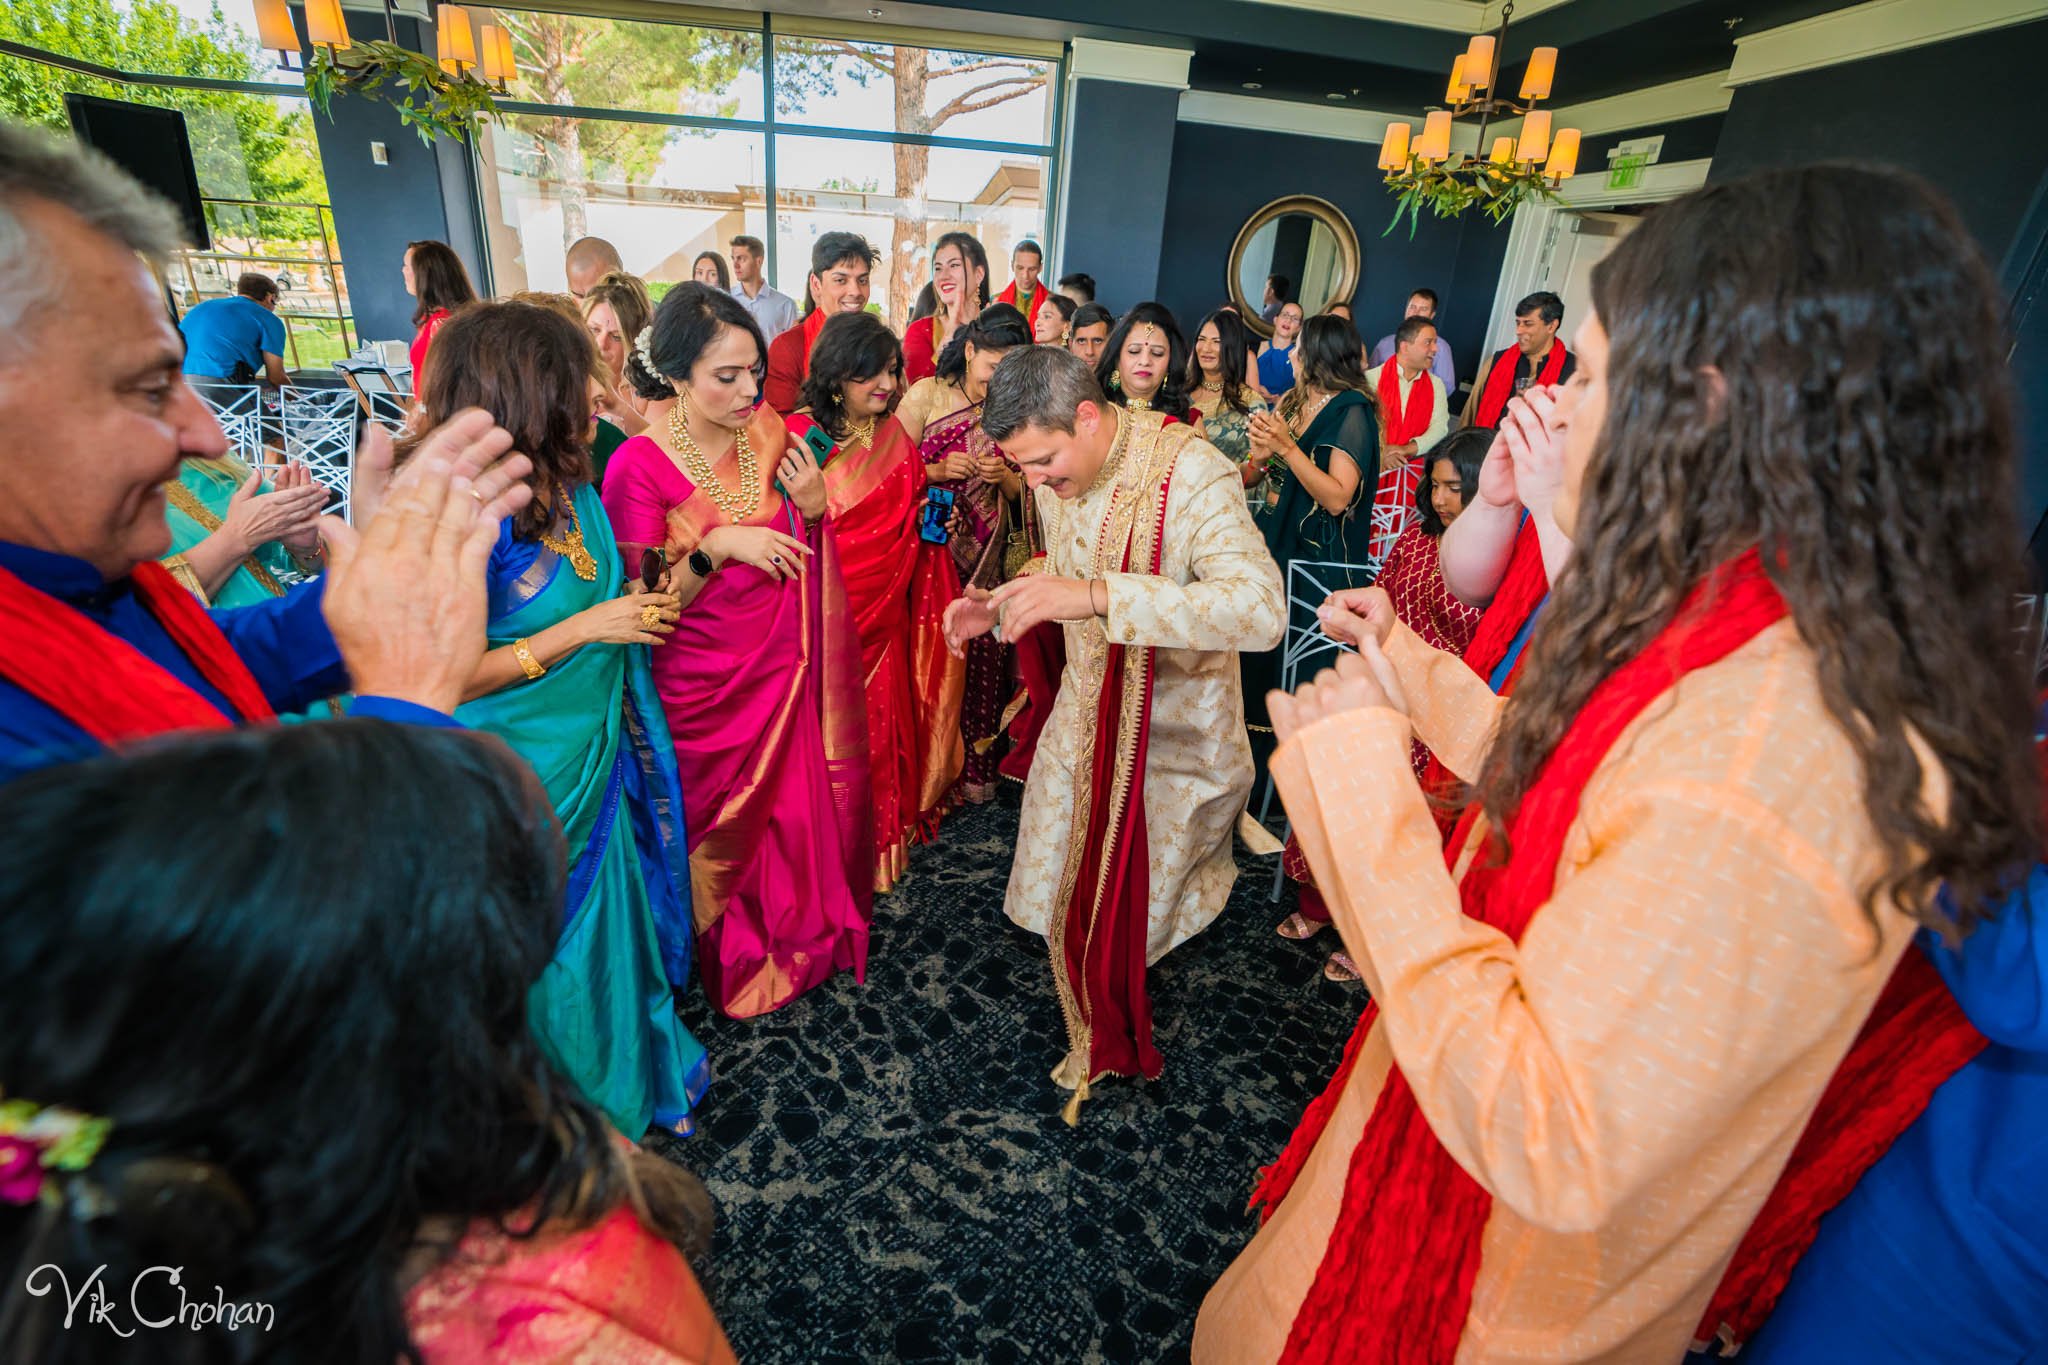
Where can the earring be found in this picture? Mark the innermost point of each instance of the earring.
(1116, 380)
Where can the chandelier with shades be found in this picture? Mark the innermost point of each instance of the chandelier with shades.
(1425, 171)
(444, 94)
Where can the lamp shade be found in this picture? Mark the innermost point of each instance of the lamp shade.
(1542, 70)
(1503, 151)
(1457, 92)
(1435, 142)
(1564, 155)
(274, 27)
(324, 25)
(508, 62)
(491, 52)
(457, 38)
(1479, 62)
(1394, 149)
(1535, 136)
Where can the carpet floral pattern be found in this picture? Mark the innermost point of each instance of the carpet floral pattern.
(893, 1178)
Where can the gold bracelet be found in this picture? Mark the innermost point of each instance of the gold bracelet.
(523, 651)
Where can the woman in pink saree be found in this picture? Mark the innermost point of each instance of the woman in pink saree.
(762, 679)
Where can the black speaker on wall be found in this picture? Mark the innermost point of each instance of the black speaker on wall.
(150, 144)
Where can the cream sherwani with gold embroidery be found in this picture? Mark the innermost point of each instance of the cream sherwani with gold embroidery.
(1217, 592)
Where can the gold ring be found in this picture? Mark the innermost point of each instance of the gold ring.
(650, 616)
(478, 496)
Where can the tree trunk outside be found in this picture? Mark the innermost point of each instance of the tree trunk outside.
(561, 138)
(913, 166)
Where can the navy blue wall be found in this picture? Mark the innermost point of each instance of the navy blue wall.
(1116, 193)
(1960, 113)
(378, 209)
(1221, 176)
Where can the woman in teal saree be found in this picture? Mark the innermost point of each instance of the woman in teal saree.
(568, 685)
(234, 548)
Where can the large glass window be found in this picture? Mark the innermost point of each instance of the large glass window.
(660, 194)
(655, 136)
(259, 171)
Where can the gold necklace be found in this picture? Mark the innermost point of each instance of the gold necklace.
(860, 433)
(1141, 405)
(572, 549)
(1208, 387)
(738, 504)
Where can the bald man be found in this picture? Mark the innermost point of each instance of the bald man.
(588, 261)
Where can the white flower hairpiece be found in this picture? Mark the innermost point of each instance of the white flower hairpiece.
(643, 346)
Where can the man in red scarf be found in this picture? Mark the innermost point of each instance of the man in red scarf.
(841, 265)
(1415, 412)
(102, 646)
(1026, 291)
(1536, 358)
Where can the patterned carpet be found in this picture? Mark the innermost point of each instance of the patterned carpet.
(892, 1175)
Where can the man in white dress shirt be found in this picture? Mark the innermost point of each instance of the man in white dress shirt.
(774, 311)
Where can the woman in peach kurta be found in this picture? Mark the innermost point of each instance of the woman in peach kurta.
(1624, 1076)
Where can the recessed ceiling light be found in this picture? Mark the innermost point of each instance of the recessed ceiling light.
(874, 14)
(1253, 85)
(1333, 95)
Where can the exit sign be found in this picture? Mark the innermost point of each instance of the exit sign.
(1626, 172)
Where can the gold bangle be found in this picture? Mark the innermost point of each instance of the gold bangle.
(523, 651)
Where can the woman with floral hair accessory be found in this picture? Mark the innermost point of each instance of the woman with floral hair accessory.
(299, 1068)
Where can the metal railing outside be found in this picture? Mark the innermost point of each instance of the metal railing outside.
(212, 274)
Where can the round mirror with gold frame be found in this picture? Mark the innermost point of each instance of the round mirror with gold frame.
(1306, 239)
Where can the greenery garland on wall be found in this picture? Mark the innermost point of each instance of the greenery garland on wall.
(429, 100)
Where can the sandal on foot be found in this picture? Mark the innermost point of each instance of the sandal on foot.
(1297, 926)
(1340, 967)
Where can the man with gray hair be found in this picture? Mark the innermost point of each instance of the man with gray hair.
(102, 646)
(1157, 577)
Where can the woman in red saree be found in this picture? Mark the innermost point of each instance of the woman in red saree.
(943, 416)
(897, 584)
(761, 679)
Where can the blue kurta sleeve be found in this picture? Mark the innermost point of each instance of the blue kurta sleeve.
(287, 646)
(2000, 974)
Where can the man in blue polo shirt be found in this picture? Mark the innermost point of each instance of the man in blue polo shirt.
(237, 339)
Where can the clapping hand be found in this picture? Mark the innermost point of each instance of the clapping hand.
(1358, 681)
(952, 469)
(289, 512)
(405, 595)
(1525, 464)
(1350, 615)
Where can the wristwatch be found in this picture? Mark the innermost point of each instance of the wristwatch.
(701, 564)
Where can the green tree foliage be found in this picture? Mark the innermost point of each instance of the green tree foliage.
(244, 146)
(567, 59)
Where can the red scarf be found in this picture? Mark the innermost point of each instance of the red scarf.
(1404, 424)
(1038, 295)
(1395, 1283)
(813, 325)
(1500, 381)
(109, 688)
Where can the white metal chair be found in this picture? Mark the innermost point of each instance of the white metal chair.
(239, 410)
(320, 431)
(1305, 649)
